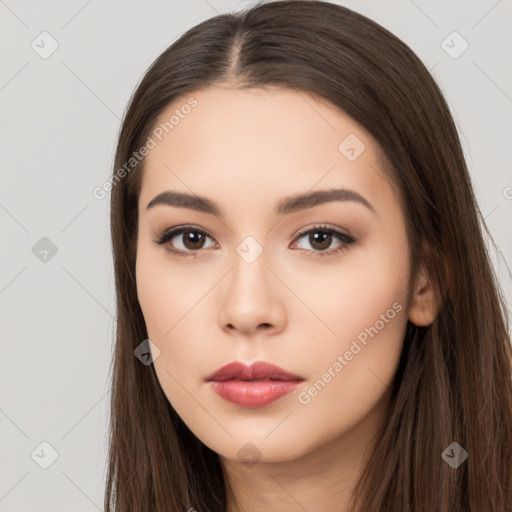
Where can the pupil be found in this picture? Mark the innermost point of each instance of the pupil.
(315, 238)
(194, 239)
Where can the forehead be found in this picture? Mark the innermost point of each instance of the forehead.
(278, 118)
(257, 143)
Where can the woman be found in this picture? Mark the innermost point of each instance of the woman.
(307, 317)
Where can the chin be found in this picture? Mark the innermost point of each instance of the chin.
(258, 449)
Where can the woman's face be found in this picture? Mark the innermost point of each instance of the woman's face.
(316, 285)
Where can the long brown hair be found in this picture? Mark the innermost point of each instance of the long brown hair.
(453, 382)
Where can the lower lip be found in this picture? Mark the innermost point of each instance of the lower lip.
(253, 393)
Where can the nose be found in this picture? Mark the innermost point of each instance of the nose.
(251, 300)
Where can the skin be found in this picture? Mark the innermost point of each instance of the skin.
(246, 150)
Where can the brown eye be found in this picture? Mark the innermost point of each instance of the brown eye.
(320, 238)
(193, 240)
(189, 240)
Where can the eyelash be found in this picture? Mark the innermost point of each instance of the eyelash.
(345, 239)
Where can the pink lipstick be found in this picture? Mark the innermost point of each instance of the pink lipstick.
(252, 386)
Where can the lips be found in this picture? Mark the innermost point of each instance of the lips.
(257, 371)
(252, 386)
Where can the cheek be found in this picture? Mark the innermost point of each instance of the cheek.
(165, 294)
(353, 370)
(362, 308)
(153, 297)
(171, 303)
(352, 294)
(164, 309)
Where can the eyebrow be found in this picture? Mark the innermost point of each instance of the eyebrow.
(286, 206)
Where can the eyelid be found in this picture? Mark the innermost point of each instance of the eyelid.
(320, 226)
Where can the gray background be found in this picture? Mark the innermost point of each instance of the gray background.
(60, 117)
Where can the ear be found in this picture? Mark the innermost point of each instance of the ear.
(423, 306)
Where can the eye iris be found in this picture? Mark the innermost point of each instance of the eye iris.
(194, 238)
(315, 238)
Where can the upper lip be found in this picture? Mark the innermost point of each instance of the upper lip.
(257, 371)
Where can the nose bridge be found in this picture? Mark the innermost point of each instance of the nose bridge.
(250, 297)
(251, 277)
